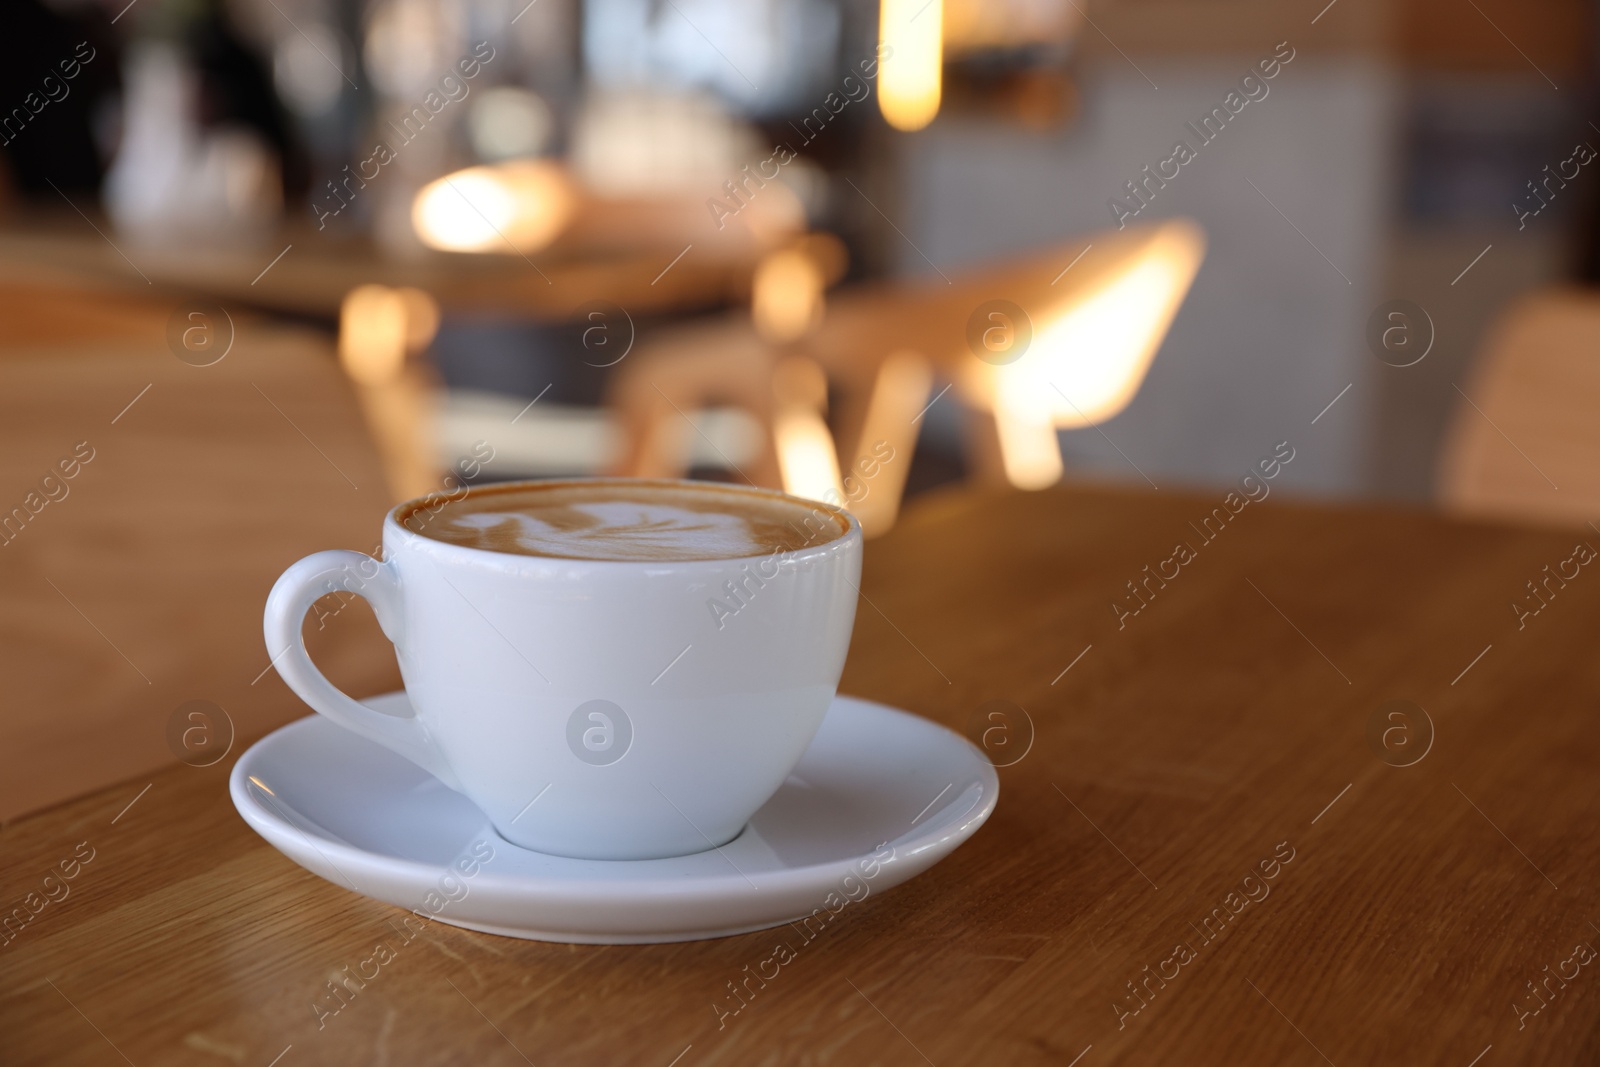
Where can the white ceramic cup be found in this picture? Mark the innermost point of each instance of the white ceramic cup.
(593, 708)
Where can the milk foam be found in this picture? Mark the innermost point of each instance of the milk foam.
(628, 521)
(623, 530)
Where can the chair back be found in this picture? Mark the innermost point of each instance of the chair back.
(1524, 443)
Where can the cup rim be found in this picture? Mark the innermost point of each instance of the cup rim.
(391, 521)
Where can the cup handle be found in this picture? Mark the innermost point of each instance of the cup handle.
(299, 587)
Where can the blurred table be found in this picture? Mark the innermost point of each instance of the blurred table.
(1224, 761)
(316, 271)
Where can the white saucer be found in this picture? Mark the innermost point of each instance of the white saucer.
(879, 797)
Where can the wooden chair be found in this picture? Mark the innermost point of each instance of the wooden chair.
(1525, 440)
(682, 371)
(1066, 335)
(765, 364)
(1058, 338)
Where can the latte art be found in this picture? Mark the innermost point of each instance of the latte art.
(613, 530)
(628, 521)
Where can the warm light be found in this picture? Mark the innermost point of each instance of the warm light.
(378, 326)
(911, 44)
(1029, 451)
(372, 333)
(786, 295)
(806, 456)
(510, 207)
(873, 484)
(422, 318)
(1090, 350)
(1088, 361)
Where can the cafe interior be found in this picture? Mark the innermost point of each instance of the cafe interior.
(1034, 289)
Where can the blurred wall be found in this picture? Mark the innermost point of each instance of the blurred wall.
(1271, 331)
(1394, 143)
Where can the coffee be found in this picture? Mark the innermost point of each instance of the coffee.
(627, 520)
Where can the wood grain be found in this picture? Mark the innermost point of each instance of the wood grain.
(1224, 723)
(140, 588)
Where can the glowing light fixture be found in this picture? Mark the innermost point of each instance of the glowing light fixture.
(911, 44)
(510, 207)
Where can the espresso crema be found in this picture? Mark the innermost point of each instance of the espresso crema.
(626, 520)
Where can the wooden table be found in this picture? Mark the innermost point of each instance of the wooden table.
(1221, 732)
(315, 273)
(139, 588)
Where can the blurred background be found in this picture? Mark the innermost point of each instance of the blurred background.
(278, 264)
